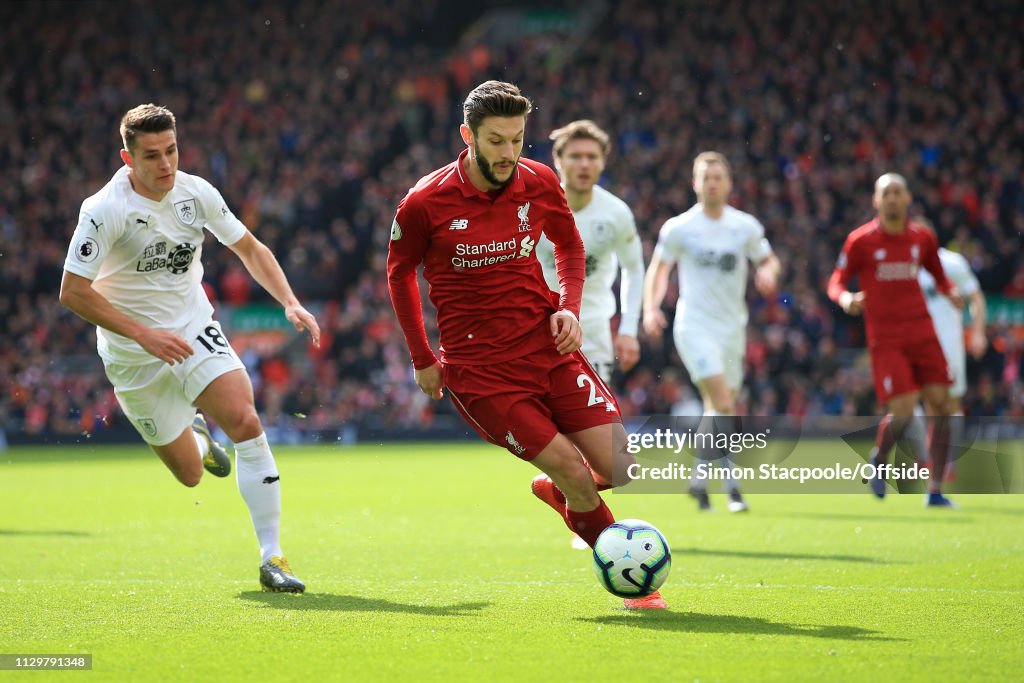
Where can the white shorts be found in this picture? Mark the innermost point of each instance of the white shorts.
(705, 355)
(598, 347)
(953, 348)
(158, 397)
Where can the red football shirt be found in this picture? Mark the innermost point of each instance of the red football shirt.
(477, 251)
(886, 266)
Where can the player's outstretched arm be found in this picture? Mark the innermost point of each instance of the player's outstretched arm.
(631, 293)
(263, 266)
(655, 287)
(979, 314)
(838, 283)
(627, 350)
(851, 302)
(77, 293)
(406, 252)
(766, 277)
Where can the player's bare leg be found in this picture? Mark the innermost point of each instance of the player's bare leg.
(606, 462)
(585, 513)
(936, 405)
(603, 449)
(191, 452)
(604, 456)
(719, 401)
(608, 466)
(182, 457)
(229, 401)
(913, 439)
(955, 410)
(563, 464)
(896, 423)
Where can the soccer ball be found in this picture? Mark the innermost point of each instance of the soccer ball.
(631, 558)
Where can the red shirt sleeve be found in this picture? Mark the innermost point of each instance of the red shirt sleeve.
(933, 264)
(839, 282)
(408, 245)
(570, 257)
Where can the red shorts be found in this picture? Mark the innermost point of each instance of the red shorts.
(905, 367)
(522, 404)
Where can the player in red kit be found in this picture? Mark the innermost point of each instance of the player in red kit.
(509, 345)
(906, 358)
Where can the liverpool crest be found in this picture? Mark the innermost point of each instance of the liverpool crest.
(524, 217)
(513, 444)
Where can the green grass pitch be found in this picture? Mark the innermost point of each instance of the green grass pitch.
(434, 563)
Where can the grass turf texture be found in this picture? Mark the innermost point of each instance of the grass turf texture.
(435, 563)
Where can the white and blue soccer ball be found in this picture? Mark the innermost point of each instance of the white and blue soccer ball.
(631, 558)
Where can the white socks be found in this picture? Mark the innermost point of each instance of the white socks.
(956, 435)
(259, 484)
(202, 444)
(710, 426)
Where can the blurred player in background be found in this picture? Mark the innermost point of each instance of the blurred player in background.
(949, 328)
(134, 270)
(907, 361)
(711, 242)
(509, 345)
(610, 240)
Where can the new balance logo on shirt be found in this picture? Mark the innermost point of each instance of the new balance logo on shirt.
(459, 224)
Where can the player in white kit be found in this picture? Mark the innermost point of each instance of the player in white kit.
(949, 322)
(949, 327)
(711, 243)
(134, 270)
(611, 242)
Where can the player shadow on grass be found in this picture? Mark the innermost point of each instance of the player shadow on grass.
(694, 622)
(869, 517)
(761, 555)
(327, 602)
(990, 510)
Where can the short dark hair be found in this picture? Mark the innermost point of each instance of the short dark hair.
(583, 129)
(711, 157)
(494, 98)
(145, 118)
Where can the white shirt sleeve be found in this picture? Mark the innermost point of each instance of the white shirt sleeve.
(757, 248)
(669, 246)
(959, 272)
(631, 288)
(545, 252)
(219, 219)
(92, 241)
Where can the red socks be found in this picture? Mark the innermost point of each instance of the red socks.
(589, 525)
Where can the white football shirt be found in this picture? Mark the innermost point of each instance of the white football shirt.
(948, 321)
(609, 235)
(712, 258)
(144, 257)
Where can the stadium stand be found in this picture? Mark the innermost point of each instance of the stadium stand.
(314, 120)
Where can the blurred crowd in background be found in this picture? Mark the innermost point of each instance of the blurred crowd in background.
(314, 120)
